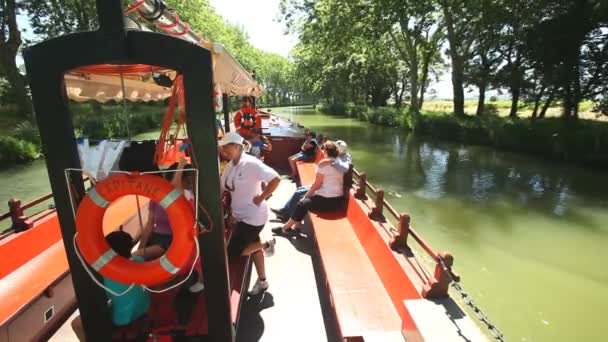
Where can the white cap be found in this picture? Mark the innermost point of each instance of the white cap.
(342, 146)
(231, 138)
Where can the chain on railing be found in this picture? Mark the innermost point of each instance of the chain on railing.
(468, 300)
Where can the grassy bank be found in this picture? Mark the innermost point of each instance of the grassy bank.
(20, 141)
(581, 141)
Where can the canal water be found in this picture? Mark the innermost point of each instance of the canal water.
(529, 236)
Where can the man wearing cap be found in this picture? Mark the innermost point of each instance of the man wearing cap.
(342, 163)
(242, 178)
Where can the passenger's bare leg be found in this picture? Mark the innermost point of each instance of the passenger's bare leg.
(292, 164)
(78, 328)
(258, 261)
(252, 248)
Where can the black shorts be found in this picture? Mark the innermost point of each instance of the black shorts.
(244, 234)
(163, 240)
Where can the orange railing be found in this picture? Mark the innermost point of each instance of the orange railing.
(16, 212)
(436, 286)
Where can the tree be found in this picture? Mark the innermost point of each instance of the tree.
(458, 15)
(10, 42)
(570, 51)
(367, 48)
(480, 69)
(52, 18)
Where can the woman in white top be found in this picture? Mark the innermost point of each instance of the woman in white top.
(326, 193)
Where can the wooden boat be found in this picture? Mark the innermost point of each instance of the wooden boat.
(372, 286)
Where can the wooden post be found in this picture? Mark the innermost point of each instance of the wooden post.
(226, 111)
(17, 215)
(376, 213)
(360, 194)
(399, 241)
(439, 284)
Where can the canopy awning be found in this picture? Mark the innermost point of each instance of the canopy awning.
(106, 82)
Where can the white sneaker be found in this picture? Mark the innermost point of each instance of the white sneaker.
(197, 287)
(260, 287)
(269, 250)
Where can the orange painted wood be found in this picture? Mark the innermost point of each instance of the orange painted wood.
(31, 279)
(35, 259)
(396, 283)
(360, 240)
(24, 246)
(359, 298)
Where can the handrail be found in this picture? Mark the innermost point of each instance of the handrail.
(438, 285)
(16, 211)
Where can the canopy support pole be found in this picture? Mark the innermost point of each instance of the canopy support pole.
(226, 110)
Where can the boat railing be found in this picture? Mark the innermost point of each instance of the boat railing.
(434, 287)
(16, 212)
(19, 220)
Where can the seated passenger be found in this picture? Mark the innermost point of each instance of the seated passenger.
(307, 152)
(157, 233)
(130, 306)
(326, 193)
(342, 163)
(259, 144)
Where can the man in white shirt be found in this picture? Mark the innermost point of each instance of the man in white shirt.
(243, 177)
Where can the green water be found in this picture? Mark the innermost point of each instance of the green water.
(529, 236)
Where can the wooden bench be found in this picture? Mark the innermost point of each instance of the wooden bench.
(365, 283)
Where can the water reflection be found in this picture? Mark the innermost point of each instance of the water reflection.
(481, 177)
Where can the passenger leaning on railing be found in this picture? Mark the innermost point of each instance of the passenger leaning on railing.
(325, 194)
(342, 163)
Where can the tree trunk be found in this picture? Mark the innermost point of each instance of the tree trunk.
(547, 104)
(425, 77)
(515, 92)
(481, 102)
(414, 87)
(9, 46)
(537, 102)
(457, 61)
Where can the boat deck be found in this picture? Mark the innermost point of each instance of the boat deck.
(292, 308)
(296, 306)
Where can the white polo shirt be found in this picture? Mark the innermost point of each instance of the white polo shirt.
(244, 181)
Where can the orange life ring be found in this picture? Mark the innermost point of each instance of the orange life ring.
(96, 251)
(249, 118)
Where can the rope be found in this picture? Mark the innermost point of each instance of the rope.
(86, 268)
(183, 280)
(85, 265)
(468, 300)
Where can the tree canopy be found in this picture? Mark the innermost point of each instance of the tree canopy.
(52, 18)
(539, 51)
